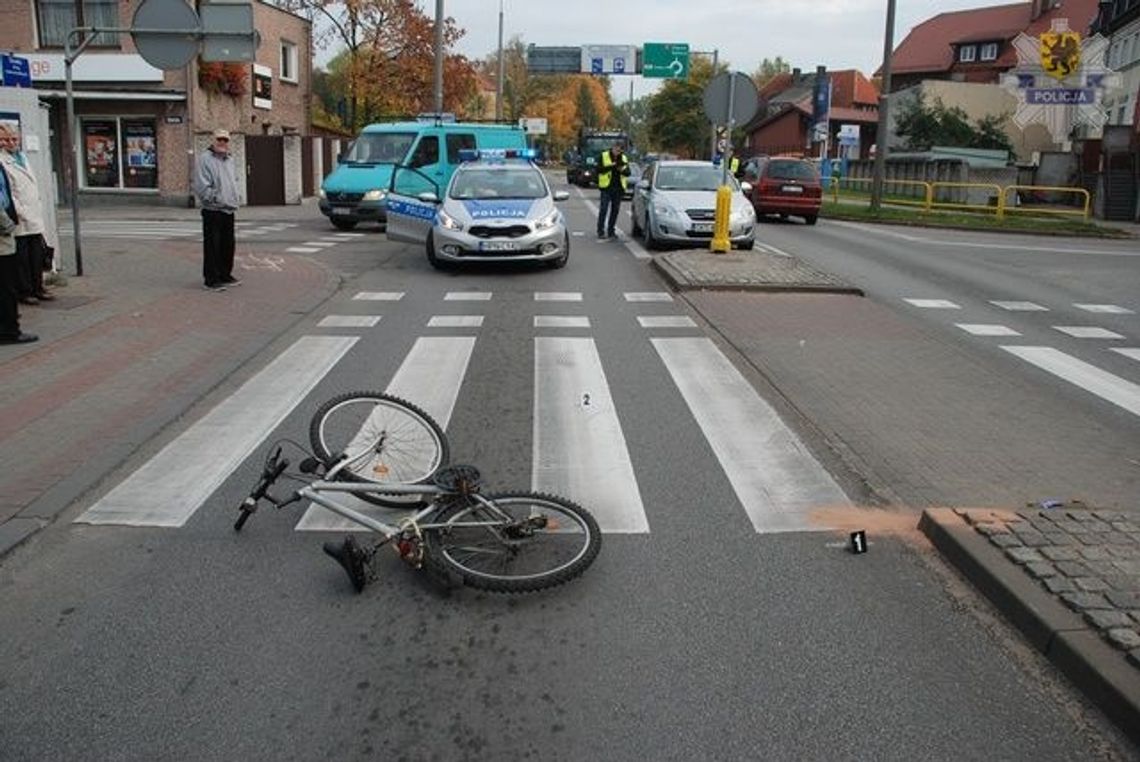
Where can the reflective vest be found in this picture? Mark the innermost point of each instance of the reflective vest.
(604, 177)
(734, 165)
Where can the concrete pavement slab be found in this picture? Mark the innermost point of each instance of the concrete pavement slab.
(754, 270)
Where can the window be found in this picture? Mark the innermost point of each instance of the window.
(427, 152)
(990, 51)
(457, 142)
(288, 62)
(967, 53)
(119, 153)
(57, 17)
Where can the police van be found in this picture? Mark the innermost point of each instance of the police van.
(357, 190)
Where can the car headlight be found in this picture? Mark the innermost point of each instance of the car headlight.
(321, 193)
(664, 210)
(375, 195)
(743, 214)
(447, 221)
(548, 221)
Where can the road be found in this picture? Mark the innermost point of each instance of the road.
(721, 620)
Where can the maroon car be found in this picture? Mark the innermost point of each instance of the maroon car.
(784, 186)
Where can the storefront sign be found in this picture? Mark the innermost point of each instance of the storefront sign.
(262, 87)
(93, 67)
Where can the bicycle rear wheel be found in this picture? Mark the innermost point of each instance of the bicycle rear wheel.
(386, 440)
(524, 541)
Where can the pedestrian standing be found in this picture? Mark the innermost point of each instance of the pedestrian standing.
(10, 332)
(215, 185)
(612, 174)
(32, 253)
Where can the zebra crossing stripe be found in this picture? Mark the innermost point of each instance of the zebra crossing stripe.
(167, 489)
(776, 479)
(666, 321)
(430, 378)
(1128, 352)
(1103, 384)
(579, 447)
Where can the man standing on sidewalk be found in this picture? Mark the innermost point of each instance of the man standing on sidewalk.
(10, 332)
(612, 176)
(31, 247)
(215, 185)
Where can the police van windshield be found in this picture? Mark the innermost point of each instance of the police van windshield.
(500, 182)
(379, 148)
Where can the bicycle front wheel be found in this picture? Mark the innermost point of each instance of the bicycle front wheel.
(385, 439)
(520, 542)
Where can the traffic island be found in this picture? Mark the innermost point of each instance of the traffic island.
(1069, 579)
(754, 270)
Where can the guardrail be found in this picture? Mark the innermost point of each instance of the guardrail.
(996, 196)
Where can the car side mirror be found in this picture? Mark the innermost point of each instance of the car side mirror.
(746, 187)
(561, 195)
(428, 197)
(643, 184)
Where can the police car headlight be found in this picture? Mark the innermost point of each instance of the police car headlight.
(375, 195)
(548, 221)
(447, 221)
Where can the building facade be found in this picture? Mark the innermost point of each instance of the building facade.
(137, 127)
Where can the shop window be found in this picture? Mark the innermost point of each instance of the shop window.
(967, 53)
(119, 153)
(56, 18)
(288, 62)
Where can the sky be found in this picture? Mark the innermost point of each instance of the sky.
(839, 34)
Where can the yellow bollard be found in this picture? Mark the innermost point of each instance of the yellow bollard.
(720, 242)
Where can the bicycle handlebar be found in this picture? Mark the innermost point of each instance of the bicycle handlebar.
(269, 475)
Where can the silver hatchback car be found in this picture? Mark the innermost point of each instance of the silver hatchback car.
(497, 208)
(675, 203)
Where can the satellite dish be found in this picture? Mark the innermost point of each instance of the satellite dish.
(166, 51)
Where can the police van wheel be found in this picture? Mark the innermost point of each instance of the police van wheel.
(342, 224)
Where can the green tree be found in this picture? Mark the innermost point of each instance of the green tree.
(677, 121)
(633, 117)
(923, 126)
(587, 112)
(768, 69)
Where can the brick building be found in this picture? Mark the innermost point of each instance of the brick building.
(136, 125)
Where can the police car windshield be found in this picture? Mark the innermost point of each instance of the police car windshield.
(705, 177)
(498, 182)
(379, 148)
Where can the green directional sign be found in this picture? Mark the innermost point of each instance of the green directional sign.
(669, 60)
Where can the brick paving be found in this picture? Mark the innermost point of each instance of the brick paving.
(755, 270)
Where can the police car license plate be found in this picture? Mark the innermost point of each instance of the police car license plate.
(496, 246)
(702, 227)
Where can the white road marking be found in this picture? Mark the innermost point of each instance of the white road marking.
(455, 321)
(1103, 384)
(467, 296)
(982, 329)
(429, 378)
(320, 244)
(302, 250)
(561, 321)
(173, 484)
(666, 321)
(976, 245)
(1106, 309)
(632, 245)
(772, 249)
(1020, 306)
(648, 296)
(347, 236)
(349, 321)
(776, 479)
(579, 448)
(934, 304)
(379, 296)
(557, 296)
(1128, 352)
(1088, 332)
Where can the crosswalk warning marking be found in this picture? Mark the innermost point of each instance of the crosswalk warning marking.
(302, 250)
(168, 488)
(561, 321)
(666, 321)
(933, 304)
(1105, 309)
(467, 296)
(379, 296)
(647, 296)
(1020, 306)
(455, 321)
(1088, 332)
(1128, 352)
(985, 329)
(776, 479)
(1103, 384)
(579, 447)
(349, 321)
(557, 296)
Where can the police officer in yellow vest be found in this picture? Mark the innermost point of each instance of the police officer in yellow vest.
(734, 166)
(612, 176)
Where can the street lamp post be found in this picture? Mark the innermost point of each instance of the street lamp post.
(884, 102)
(502, 69)
(439, 56)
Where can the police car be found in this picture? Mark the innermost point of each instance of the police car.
(497, 207)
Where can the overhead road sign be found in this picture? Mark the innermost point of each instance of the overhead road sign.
(668, 60)
(609, 59)
(533, 125)
(559, 60)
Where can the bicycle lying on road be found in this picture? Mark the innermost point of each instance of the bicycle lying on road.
(389, 452)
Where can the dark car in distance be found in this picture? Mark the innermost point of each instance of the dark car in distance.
(786, 186)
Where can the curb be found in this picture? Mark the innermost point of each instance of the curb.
(1093, 666)
(1119, 235)
(680, 282)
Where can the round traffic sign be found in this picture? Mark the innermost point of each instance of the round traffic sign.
(165, 51)
(745, 99)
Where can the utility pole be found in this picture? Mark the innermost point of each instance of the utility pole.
(439, 56)
(502, 69)
(884, 92)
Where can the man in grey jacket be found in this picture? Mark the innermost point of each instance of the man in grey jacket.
(215, 185)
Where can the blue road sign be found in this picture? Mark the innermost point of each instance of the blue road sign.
(619, 66)
(16, 72)
(595, 65)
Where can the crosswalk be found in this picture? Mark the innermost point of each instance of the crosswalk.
(189, 230)
(1096, 342)
(579, 448)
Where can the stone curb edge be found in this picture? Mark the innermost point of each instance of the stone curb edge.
(1121, 235)
(1093, 666)
(680, 283)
